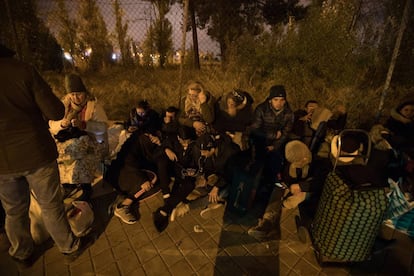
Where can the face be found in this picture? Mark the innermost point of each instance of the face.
(184, 142)
(140, 111)
(277, 102)
(231, 103)
(408, 111)
(207, 153)
(311, 107)
(170, 115)
(193, 94)
(77, 97)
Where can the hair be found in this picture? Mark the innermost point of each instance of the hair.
(144, 104)
(311, 101)
(172, 109)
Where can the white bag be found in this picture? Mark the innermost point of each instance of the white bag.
(80, 218)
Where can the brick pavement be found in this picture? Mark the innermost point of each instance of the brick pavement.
(220, 246)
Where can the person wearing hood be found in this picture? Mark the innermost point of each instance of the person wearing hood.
(79, 155)
(28, 159)
(401, 125)
(234, 113)
(197, 108)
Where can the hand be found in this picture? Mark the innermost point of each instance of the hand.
(202, 97)
(270, 148)
(341, 109)
(295, 189)
(146, 186)
(76, 123)
(213, 195)
(154, 139)
(199, 126)
(171, 155)
(65, 123)
(278, 134)
(132, 128)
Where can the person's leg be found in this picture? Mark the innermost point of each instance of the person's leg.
(179, 194)
(269, 225)
(15, 197)
(45, 184)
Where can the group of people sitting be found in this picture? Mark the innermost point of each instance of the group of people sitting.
(194, 151)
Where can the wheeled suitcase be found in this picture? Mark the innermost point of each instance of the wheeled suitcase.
(348, 216)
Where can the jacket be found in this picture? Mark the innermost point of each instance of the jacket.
(267, 122)
(26, 104)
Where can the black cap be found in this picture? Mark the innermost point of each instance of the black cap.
(74, 83)
(277, 91)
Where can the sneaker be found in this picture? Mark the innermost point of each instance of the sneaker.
(160, 219)
(124, 212)
(180, 210)
(81, 244)
(207, 212)
(263, 230)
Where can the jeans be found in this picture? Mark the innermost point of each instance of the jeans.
(15, 197)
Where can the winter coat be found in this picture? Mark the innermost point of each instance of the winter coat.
(26, 104)
(267, 122)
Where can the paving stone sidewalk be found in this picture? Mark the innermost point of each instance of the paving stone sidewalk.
(193, 245)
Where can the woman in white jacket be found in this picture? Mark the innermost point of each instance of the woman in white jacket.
(79, 157)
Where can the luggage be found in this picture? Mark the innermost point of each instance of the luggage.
(349, 215)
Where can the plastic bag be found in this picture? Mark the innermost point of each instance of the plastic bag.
(80, 218)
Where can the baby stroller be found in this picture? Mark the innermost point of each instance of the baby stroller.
(352, 205)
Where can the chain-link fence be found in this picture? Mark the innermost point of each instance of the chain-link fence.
(100, 32)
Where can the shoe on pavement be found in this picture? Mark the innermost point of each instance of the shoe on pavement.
(180, 210)
(125, 213)
(160, 219)
(265, 229)
(81, 244)
(208, 212)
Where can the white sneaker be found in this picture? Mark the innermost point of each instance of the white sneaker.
(207, 212)
(125, 214)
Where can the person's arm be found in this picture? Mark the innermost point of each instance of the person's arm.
(49, 104)
(207, 109)
(286, 130)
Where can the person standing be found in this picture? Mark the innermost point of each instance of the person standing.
(28, 158)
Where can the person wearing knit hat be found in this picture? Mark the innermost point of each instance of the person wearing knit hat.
(83, 112)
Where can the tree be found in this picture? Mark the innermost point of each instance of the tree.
(279, 11)
(159, 36)
(226, 21)
(22, 30)
(67, 33)
(93, 35)
(121, 31)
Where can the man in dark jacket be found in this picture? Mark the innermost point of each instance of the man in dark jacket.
(28, 158)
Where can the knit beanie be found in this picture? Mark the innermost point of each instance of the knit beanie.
(277, 91)
(74, 83)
